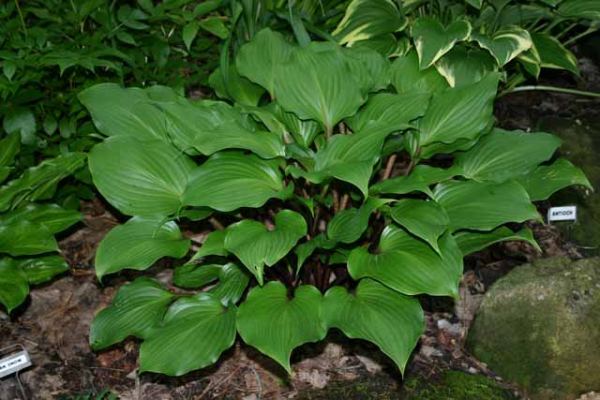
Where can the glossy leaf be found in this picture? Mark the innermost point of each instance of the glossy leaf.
(138, 244)
(41, 269)
(463, 66)
(394, 322)
(23, 238)
(52, 216)
(137, 308)
(506, 44)
(484, 206)
(13, 284)
(347, 226)
(470, 241)
(424, 219)
(548, 179)
(140, 178)
(213, 245)
(433, 40)
(418, 180)
(227, 181)
(365, 19)
(257, 246)
(409, 265)
(276, 324)
(194, 333)
(553, 54)
(503, 155)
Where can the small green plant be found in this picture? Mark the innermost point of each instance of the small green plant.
(28, 226)
(342, 187)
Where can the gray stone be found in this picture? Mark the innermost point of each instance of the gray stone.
(539, 327)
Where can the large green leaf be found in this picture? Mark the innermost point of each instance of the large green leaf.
(39, 182)
(52, 216)
(208, 127)
(503, 155)
(230, 180)
(418, 180)
(484, 206)
(408, 78)
(193, 334)
(259, 59)
(231, 85)
(347, 226)
(137, 308)
(276, 324)
(390, 110)
(317, 84)
(257, 246)
(470, 242)
(394, 322)
(504, 45)
(23, 238)
(13, 284)
(368, 67)
(409, 265)
(553, 54)
(459, 113)
(9, 148)
(433, 40)
(303, 131)
(349, 158)
(42, 269)
(138, 244)
(463, 66)
(140, 177)
(548, 179)
(425, 219)
(232, 280)
(365, 19)
(117, 111)
(589, 9)
(213, 245)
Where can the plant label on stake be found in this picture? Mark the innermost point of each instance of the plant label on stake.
(565, 213)
(15, 361)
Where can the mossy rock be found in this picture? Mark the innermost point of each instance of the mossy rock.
(539, 327)
(452, 385)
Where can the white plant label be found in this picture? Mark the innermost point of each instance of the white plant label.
(14, 363)
(565, 213)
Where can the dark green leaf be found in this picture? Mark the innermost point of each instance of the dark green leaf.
(23, 238)
(548, 179)
(470, 242)
(425, 219)
(408, 78)
(42, 269)
(347, 226)
(13, 284)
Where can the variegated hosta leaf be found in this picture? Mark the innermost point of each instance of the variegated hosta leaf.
(463, 66)
(548, 179)
(471, 241)
(365, 19)
(459, 113)
(259, 59)
(418, 180)
(503, 155)
(145, 178)
(553, 54)
(433, 40)
(424, 219)
(484, 206)
(408, 78)
(257, 246)
(316, 83)
(276, 324)
(207, 127)
(138, 244)
(409, 265)
(193, 334)
(230, 180)
(137, 308)
(394, 322)
(505, 44)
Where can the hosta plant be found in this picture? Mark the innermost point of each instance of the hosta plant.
(29, 221)
(353, 185)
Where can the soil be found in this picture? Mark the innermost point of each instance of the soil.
(53, 325)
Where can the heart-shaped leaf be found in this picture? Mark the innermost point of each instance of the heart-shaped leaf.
(484, 206)
(425, 219)
(433, 40)
(470, 242)
(140, 178)
(193, 334)
(137, 308)
(257, 246)
(230, 180)
(138, 244)
(507, 43)
(374, 312)
(409, 265)
(548, 179)
(463, 66)
(276, 324)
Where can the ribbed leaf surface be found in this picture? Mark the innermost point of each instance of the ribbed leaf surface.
(433, 40)
(365, 19)
(548, 179)
(425, 219)
(470, 241)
